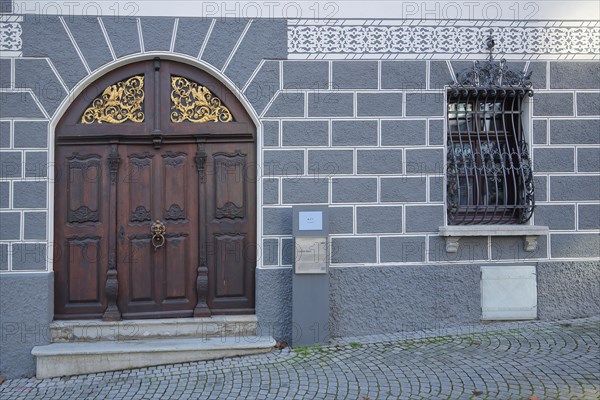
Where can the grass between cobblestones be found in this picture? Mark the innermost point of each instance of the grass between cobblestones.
(535, 360)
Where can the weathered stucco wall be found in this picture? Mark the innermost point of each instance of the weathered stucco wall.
(26, 310)
(404, 298)
(568, 289)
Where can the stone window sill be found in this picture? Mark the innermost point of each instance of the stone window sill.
(530, 233)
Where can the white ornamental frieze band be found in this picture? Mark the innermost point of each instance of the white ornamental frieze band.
(380, 39)
(10, 36)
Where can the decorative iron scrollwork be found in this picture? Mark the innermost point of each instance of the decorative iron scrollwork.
(489, 176)
(493, 74)
(527, 192)
(195, 103)
(452, 186)
(120, 102)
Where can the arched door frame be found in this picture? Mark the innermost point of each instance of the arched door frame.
(108, 68)
(94, 76)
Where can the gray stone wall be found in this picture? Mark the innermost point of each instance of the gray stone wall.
(364, 136)
(568, 289)
(367, 138)
(566, 150)
(24, 168)
(57, 54)
(403, 298)
(372, 300)
(26, 310)
(274, 302)
(372, 148)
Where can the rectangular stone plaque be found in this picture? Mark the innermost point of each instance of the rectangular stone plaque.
(311, 255)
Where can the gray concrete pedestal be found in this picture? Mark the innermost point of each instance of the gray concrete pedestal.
(310, 309)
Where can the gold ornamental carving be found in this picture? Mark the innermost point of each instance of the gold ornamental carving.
(120, 102)
(195, 103)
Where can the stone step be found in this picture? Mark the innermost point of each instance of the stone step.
(65, 359)
(143, 329)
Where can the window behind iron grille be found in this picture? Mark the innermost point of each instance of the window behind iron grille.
(489, 177)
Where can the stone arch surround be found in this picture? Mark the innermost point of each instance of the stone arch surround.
(59, 53)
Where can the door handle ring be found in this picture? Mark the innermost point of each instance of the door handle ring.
(158, 234)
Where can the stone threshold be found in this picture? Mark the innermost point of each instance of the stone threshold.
(66, 359)
(141, 329)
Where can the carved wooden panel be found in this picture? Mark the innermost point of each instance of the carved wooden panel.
(177, 275)
(140, 214)
(174, 213)
(175, 181)
(84, 255)
(80, 230)
(230, 185)
(231, 227)
(83, 181)
(230, 266)
(137, 176)
(141, 264)
(158, 281)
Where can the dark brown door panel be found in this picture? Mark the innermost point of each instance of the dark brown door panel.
(130, 157)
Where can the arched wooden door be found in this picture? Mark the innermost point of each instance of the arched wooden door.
(155, 197)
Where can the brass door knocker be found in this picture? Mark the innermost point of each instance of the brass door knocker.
(158, 234)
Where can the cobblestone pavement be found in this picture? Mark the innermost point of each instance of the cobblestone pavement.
(558, 360)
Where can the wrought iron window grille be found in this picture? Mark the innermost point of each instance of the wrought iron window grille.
(489, 175)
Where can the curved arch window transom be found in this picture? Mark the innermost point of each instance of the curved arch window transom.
(120, 102)
(195, 103)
